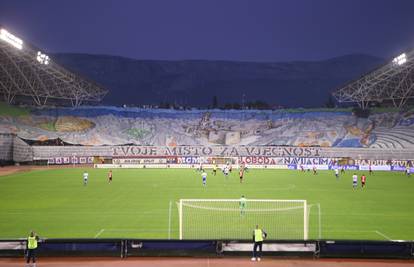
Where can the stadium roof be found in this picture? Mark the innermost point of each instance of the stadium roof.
(393, 82)
(29, 72)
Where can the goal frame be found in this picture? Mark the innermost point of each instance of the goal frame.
(305, 209)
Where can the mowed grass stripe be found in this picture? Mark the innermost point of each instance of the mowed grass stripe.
(56, 204)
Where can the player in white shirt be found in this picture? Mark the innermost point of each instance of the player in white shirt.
(226, 171)
(408, 171)
(204, 176)
(354, 181)
(337, 173)
(85, 178)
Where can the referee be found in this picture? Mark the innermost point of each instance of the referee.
(258, 236)
(31, 248)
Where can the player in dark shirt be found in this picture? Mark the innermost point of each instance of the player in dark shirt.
(241, 173)
(110, 176)
(363, 180)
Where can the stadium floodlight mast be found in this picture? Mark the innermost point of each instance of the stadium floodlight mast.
(30, 74)
(42, 58)
(11, 39)
(394, 82)
(401, 59)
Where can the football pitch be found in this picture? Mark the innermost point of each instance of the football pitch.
(142, 203)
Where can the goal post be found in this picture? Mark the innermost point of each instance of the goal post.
(230, 219)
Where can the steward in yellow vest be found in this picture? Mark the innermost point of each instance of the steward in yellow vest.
(258, 236)
(31, 248)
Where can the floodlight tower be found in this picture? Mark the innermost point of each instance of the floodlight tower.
(400, 60)
(28, 72)
(11, 39)
(393, 82)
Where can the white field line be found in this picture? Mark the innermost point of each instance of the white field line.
(349, 231)
(99, 233)
(141, 213)
(360, 231)
(157, 230)
(319, 220)
(381, 234)
(169, 219)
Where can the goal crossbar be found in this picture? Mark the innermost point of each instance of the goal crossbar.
(238, 200)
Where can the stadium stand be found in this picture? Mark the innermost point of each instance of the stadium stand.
(95, 131)
(6, 147)
(97, 126)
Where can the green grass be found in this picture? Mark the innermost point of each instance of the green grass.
(56, 204)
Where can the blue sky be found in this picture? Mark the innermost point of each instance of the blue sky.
(244, 30)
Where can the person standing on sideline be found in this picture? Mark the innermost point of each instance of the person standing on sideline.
(258, 236)
(31, 248)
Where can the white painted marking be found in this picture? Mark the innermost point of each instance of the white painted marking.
(383, 235)
(348, 231)
(99, 233)
(319, 221)
(169, 220)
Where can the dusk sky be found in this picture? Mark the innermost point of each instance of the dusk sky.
(243, 30)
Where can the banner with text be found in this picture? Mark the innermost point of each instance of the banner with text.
(70, 160)
(252, 160)
(218, 151)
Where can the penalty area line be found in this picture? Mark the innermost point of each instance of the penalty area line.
(383, 235)
(99, 233)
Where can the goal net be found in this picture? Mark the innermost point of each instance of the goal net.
(230, 219)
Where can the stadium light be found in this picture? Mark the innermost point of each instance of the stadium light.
(401, 59)
(11, 39)
(42, 58)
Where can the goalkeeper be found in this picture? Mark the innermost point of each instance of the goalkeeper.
(242, 205)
